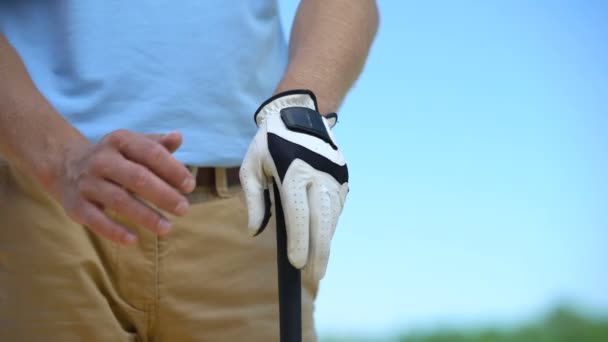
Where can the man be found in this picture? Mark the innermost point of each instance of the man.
(122, 128)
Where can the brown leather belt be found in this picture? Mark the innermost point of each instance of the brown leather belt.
(205, 176)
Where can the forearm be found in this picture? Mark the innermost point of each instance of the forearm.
(330, 40)
(33, 136)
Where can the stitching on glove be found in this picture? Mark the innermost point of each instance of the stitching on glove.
(285, 93)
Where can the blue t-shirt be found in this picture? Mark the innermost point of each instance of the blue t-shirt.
(200, 67)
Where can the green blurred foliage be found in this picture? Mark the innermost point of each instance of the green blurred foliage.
(563, 324)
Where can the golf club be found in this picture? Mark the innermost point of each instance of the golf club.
(290, 288)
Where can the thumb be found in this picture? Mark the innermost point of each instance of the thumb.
(171, 141)
(257, 195)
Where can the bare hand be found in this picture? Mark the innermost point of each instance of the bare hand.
(105, 175)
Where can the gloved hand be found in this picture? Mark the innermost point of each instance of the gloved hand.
(294, 148)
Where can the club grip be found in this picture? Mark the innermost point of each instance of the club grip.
(290, 285)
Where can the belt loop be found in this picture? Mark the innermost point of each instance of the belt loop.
(193, 170)
(221, 183)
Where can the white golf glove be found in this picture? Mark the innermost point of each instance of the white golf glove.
(294, 148)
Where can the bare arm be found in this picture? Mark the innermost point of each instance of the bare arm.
(33, 136)
(330, 40)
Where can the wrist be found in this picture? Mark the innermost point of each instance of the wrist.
(48, 163)
(328, 100)
(44, 143)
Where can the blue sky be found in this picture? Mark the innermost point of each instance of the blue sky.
(477, 140)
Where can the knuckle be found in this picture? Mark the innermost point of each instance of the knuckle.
(117, 200)
(99, 162)
(87, 217)
(155, 153)
(85, 187)
(140, 177)
(117, 138)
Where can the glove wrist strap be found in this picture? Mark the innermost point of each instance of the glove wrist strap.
(291, 98)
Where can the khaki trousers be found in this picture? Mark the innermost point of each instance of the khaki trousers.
(205, 281)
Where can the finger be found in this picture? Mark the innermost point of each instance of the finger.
(323, 218)
(257, 194)
(141, 181)
(96, 221)
(154, 156)
(171, 141)
(113, 197)
(295, 207)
